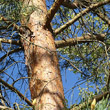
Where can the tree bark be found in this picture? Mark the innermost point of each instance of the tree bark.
(41, 59)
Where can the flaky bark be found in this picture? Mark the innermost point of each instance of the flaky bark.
(41, 59)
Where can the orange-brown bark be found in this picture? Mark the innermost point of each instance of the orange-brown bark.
(41, 58)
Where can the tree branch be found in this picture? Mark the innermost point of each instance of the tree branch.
(16, 91)
(66, 42)
(97, 97)
(82, 13)
(70, 5)
(18, 28)
(77, 3)
(79, 40)
(5, 108)
(52, 12)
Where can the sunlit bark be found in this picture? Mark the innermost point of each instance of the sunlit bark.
(41, 60)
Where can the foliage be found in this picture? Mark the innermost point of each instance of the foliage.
(104, 104)
(11, 9)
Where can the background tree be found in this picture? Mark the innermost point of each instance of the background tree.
(29, 36)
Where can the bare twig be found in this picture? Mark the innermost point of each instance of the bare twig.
(74, 66)
(20, 79)
(12, 51)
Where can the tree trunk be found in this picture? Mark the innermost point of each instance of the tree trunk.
(41, 59)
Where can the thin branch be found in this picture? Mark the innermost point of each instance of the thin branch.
(9, 41)
(52, 12)
(16, 91)
(18, 28)
(11, 23)
(73, 66)
(12, 51)
(82, 13)
(2, 98)
(104, 18)
(20, 79)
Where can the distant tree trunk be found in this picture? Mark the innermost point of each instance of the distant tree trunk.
(41, 59)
